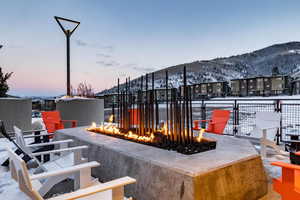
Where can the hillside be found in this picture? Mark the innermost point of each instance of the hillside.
(285, 56)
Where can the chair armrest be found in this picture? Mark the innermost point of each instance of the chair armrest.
(286, 165)
(297, 153)
(67, 170)
(67, 120)
(31, 131)
(60, 150)
(28, 131)
(95, 189)
(74, 122)
(33, 136)
(57, 125)
(41, 135)
(50, 143)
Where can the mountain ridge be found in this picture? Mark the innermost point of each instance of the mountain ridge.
(284, 56)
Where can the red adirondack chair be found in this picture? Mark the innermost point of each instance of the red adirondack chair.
(134, 116)
(288, 185)
(216, 124)
(53, 121)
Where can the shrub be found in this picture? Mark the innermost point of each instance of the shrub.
(83, 90)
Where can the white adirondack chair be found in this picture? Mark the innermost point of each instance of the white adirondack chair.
(29, 148)
(268, 122)
(89, 190)
(69, 157)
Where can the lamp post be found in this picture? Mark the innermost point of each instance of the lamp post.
(68, 34)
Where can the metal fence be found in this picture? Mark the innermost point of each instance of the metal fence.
(242, 120)
(290, 121)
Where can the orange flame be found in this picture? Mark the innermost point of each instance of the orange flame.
(200, 136)
(165, 129)
(94, 125)
(111, 128)
(111, 119)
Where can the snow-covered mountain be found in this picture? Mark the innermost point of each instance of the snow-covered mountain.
(286, 57)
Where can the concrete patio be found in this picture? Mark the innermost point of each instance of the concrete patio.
(9, 188)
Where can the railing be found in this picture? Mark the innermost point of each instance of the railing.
(242, 118)
(242, 121)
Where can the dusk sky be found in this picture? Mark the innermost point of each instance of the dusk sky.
(119, 38)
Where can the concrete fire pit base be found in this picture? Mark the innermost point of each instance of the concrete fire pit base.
(233, 171)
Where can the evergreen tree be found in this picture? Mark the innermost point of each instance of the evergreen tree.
(3, 82)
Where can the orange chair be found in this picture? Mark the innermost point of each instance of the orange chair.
(217, 123)
(134, 116)
(288, 185)
(53, 121)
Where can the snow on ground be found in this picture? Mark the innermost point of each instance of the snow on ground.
(9, 189)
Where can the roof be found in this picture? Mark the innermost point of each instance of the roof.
(255, 77)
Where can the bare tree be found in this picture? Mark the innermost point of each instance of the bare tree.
(83, 90)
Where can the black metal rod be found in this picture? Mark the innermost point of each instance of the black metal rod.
(125, 105)
(68, 63)
(172, 138)
(152, 104)
(118, 103)
(130, 111)
(167, 102)
(156, 111)
(191, 116)
(141, 109)
(129, 86)
(147, 113)
(186, 111)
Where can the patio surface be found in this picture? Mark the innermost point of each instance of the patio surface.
(9, 188)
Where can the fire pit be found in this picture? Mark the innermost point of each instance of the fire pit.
(158, 138)
(138, 119)
(234, 166)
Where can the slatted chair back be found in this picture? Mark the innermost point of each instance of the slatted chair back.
(52, 121)
(20, 140)
(21, 144)
(218, 122)
(20, 173)
(267, 120)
